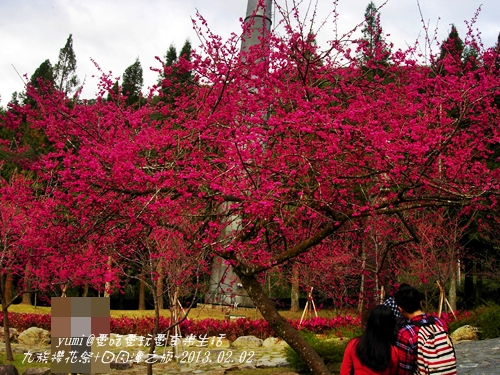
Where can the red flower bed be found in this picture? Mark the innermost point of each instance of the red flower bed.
(325, 325)
(449, 317)
(25, 321)
(209, 327)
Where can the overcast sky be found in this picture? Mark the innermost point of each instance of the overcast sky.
(116, 32)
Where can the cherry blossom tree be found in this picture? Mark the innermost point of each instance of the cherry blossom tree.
(303, 145)
(433, 259)
(14, 225)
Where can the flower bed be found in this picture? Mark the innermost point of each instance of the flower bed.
(22, 321)
(209, 327)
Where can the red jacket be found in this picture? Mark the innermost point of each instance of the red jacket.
(351, 360)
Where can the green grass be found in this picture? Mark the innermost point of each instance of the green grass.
(331, 350)
(200, 313)
(18, 362)
(26, 309)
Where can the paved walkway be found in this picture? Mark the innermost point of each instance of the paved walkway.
(478, 357)
(214, 361)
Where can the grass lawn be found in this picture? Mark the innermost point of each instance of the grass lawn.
(18, 362)
(199, 313)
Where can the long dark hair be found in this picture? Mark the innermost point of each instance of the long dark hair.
(374, 345)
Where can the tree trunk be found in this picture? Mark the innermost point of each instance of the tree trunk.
(120, 301)
(175, 313)
(156, 299)
(159, 286)
(64, 287)
(27, 284)
(85, 290)
(369, 290)
(8, 286)
(107, 284)
(363, 288)
(452, 292)
(469, 283)
(280, 325)
(479, 283)
(426, 300)
(295, 288)
(142, 293)
(9, 355)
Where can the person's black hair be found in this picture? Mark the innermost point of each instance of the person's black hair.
(404, 286)
(409, 299)
(374, 346)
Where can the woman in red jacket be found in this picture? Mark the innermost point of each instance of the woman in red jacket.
(373, 353)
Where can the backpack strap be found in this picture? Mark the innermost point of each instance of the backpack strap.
(430, 321)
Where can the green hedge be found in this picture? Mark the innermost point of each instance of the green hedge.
(330, 349)
(485, 318)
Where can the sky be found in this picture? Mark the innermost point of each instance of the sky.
(114, 33)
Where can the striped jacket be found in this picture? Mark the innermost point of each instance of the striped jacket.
(406, 343)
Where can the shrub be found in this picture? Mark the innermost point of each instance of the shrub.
(346, 331)
(488, 322)
(331, 350)
(485, 318)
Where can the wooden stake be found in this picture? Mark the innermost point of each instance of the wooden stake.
(309, 303)
(441, 298)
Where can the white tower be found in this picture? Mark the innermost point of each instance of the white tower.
(225, 287)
